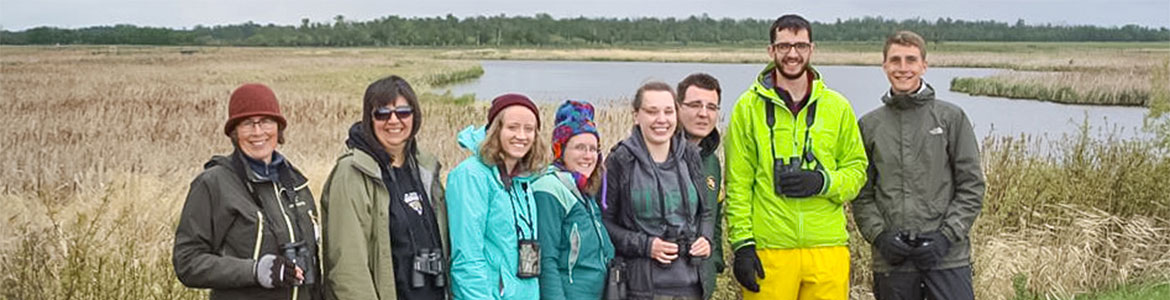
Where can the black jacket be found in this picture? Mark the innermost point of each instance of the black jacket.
(630, 158)
(227, 224)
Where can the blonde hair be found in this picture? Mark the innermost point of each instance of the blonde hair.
(492, 153)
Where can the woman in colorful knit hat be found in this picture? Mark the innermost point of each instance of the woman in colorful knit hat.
(576, 244)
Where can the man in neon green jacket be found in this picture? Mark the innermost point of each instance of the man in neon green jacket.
(794, 157)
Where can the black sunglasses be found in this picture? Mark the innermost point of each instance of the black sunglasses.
(383, 113)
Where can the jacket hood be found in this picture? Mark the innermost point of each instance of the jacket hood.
(637, 145)
(916, 99)
(361, 140)
(471, 138)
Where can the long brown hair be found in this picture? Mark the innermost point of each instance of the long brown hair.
(492, 153)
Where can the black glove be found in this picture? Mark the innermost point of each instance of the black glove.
(934, 247)
(801, 183)
(274, 271)
(893, 249)
(746, 267)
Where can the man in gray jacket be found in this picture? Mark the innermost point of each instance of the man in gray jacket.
(925, 186)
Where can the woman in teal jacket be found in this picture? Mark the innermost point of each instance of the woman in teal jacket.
(576, 245)
(492, 213)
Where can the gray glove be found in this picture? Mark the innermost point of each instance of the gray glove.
(276, 272)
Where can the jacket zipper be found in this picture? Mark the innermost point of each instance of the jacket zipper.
(287, 223)
(259, 236)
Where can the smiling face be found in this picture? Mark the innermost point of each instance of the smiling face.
(517, 132)
(393, 132)
(904, 66)
(581, 153)
(791, 52)
(699, 111)
(656, 117)
(257, 137)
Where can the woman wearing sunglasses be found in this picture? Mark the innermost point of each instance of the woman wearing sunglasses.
(384, 213)
(576, 245)
(494, 252)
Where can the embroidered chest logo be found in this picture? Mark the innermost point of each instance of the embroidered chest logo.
(414, 201)
(936, 131)
(711, 183)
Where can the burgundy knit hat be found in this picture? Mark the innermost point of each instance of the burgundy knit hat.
(252, 99)
(506, 100)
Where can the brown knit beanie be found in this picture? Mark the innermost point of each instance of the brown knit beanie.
(506, 100)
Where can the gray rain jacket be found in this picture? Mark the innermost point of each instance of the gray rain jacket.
(923, 175)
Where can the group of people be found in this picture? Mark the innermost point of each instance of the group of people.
(525, 218)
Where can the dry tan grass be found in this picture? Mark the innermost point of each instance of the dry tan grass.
(100, 144)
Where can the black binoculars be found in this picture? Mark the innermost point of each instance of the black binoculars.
(428, 261)
(683, 238)
(780, 166)
(300, 254)
(912, 239)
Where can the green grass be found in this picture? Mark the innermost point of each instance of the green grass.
(1131, 292)
(1059, 92)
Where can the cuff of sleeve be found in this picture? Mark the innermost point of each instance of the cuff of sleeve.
(950, 229)
(826, 182)
(748, 242)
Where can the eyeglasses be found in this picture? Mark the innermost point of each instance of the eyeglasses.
(384, 113)
(800, 46)
(699, 104)
(249, 125)
(585, 148)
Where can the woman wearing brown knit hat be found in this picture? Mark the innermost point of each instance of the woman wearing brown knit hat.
(384, 218)
(248, 229)
(494, 252)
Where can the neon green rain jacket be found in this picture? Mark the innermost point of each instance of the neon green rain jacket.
(755, 213)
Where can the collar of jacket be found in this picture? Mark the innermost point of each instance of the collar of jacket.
(237, 164)
(764, 87)
(709, 143)
(566, 178)
(904, 101)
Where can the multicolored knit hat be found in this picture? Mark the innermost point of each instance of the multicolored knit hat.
(573, 117)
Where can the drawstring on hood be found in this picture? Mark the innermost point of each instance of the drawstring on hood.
(924, 96)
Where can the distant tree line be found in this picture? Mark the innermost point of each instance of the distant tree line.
(544, 30)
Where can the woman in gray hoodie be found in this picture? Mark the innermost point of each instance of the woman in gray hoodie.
(656, 207)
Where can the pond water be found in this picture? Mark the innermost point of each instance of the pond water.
(862, 85)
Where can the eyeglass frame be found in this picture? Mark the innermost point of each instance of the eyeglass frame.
(783, 47)
(264, 124)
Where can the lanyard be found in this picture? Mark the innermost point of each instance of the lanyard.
(810, 117)
(517, 217)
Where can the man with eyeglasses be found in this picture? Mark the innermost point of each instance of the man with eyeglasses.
(794, 157)
(698, 100)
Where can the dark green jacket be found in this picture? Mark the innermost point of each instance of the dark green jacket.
(356, 206)
(713, 176)
(924, 174)
(223, 232)
(575, 248)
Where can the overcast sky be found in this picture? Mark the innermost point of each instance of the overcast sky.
(24, 14)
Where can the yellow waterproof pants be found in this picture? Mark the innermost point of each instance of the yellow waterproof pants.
(808, 273)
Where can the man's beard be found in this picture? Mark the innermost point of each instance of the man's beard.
(780, 69)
